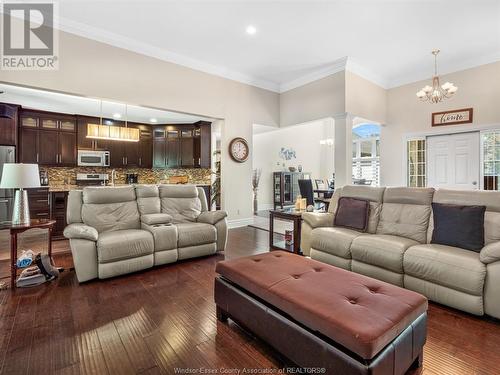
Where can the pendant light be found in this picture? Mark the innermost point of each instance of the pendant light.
(111, 132)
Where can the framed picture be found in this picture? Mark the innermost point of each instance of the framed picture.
(457, 116)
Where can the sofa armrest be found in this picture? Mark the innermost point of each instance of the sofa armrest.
(490, 253)
(81, 231)
(318, 219)
(153, 219)
(211, 217)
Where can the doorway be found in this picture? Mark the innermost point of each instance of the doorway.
(454, 161)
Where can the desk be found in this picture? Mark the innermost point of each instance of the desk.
(16, 229)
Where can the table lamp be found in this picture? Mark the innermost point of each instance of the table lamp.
(20, 176)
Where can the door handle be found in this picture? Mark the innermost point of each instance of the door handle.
(37, 157)
(4, 201)
(140, 161)
(57, 158)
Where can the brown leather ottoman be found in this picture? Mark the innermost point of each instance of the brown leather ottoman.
(322, 316)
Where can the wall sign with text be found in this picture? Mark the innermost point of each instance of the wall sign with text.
(458, 116)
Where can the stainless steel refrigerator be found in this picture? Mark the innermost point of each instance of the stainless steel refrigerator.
(7, 155)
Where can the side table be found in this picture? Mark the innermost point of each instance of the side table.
(288, 215)
(16, 229)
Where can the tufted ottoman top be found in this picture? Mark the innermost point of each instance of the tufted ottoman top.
(358, 312)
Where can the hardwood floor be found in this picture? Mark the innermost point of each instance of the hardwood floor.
(157, 320)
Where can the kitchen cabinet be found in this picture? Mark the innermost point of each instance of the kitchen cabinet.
(146, 149)
(8, 126)
(186, 146)
(85, 143)
(58, 204)
(203, 144)
(28, 152)
(39, 203)
(48, 138)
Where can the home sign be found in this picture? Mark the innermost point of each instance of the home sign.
(458, 116)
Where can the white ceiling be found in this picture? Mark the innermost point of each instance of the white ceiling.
(388, 41)
(63, 103)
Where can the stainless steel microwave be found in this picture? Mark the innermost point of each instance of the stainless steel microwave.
(89, 158)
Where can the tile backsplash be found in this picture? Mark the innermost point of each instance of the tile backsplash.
(67, 176)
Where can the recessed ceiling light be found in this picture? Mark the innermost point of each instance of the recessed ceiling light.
(117, 115)
(153, 120)
(251, 30)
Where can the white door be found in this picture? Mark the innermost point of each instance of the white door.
(453, 161)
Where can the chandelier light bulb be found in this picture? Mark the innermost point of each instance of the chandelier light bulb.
(436, 93)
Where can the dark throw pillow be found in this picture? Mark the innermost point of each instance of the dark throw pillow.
(352, 213)
(459, 226)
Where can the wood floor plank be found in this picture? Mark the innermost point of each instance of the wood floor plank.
(154, 321)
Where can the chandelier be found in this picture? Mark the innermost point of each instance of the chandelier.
(436, 93)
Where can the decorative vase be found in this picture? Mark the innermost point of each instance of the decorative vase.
(299, 167)
(255, 202)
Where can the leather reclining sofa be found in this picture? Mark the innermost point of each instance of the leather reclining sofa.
(396, 247)
(118, 230)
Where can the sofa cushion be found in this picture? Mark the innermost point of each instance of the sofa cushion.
(404, 220)
(148, 199)
(124, 244)
(460, 226)
(381, 250)
(334, 240)
(111, 216)
(181, 202)
(352, 213)
(448, 266)
(190, 234)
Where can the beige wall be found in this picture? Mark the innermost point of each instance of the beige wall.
(364, 98)
(94, 69)
(314, 101)
(478, 88)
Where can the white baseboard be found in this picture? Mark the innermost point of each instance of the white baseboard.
(237, 223)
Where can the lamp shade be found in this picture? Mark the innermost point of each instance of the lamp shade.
(16, 176)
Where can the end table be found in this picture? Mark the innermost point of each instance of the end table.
(288, 215)
(15, 229)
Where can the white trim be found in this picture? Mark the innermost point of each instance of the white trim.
(101, 35)
(237, 223)
(453, 67)
(342, 64)
(335, 67)
(448, 130)
(354, 67)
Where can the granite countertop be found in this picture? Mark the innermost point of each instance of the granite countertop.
(62, 188)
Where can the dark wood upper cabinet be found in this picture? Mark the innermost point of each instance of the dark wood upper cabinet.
(48, 147)
(187, 146)
(172, 147)
(203, 144)
(8, 125)
(48, 138)
(28, 150)
(67, 149)
(186, 151)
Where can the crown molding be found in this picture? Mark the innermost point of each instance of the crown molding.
(336, 67)
(130, 44)
(342, 64)
(455, 67)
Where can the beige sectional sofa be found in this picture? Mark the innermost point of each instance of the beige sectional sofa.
(118, 230)
(396, 247)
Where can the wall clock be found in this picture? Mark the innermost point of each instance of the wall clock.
(239, 150)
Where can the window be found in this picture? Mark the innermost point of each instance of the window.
(416, 163)
(491, 160)
(366, 154)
